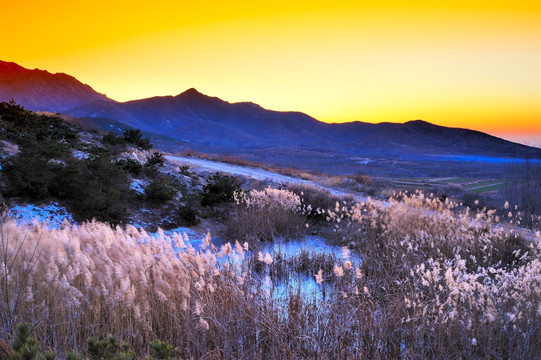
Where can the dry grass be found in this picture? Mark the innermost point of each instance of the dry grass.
(92, 280)
(264, 215)
(82, 124)
(316, 201)
(359, 183)
(432, 284)
(287, 171)
(457, 284)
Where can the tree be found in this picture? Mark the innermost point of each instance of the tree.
(219, 188)
(135, 137)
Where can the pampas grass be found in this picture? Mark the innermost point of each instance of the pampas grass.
(433, 281)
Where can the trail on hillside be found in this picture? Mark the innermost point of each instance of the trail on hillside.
(256, 173)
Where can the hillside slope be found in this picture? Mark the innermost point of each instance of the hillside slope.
(40, 90)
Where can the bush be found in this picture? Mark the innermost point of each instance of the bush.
(74, 355)
(113, 139)
(44, 167)
(94, 188)
(129, 165)
(27, 176)
(219, 188)
(69, 181)
(164, 350)
(135, 137)
(473, 201)
(363, 179)
(155, 161)
(108, 349)
(187, 216)
(25, 347)
(46, 149)
(159, 191)
(104, 190)
(23, 126)
(116, 143)
(184, 170)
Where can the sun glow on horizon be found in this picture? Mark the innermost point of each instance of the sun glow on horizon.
(465, 64)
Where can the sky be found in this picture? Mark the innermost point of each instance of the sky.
(472, 64)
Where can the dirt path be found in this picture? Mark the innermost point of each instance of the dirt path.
(255, 173)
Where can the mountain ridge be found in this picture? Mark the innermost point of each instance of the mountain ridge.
(246, 128)
(40, 90)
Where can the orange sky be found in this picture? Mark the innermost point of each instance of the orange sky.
(474, 64)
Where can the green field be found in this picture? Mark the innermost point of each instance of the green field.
(477, 186)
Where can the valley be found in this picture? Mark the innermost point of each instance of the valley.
(190, 227)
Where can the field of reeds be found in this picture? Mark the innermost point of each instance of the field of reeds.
(416, 278)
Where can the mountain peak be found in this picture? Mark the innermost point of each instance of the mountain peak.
(9, 66)
(422, 124)
(40, 90)
(13, 70)
(418, 122)
(194, 96)
(191, 92)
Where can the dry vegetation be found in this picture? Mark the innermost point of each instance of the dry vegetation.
(431, 282)
(266, 214)
(229, 159)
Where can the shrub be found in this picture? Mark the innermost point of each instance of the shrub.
(135, 137)
(21, 125)
(219, 188)
(113, 139)
(164, 350)
(27, 175)
(155, 161)
(25, 347)
(69, 180)
(45, 136)
(184, 170)
(108, 349)
(43, 141)
(74, 355)
(159, 191)
(451, 190)
(116, 143)
(363, 179)
(46, 149)
(105, 193)
(94, 187)
(187, 215)
(473, 201)
(129, 165)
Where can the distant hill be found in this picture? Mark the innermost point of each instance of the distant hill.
(205, 120)
(245, 129)
(40, 90)
(422, 137)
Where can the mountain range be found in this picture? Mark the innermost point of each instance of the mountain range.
(204, 122)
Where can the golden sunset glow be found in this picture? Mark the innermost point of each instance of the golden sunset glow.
(474, 64)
